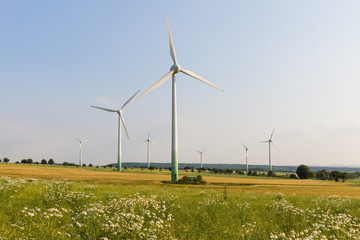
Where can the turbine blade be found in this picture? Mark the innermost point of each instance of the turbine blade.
(152, 142)
(87, 140)
(198, 151)
(127, 102)
(203, 150)
(171, 43)
(142, 142)
(194, 75)
(157, 84)
(272, 133)
(149, 133)
(105, 109)
(78, 139)
(264, 141)
(243, 145)
(275, 146)
(124, 124)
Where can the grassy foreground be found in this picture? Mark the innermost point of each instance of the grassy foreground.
(108, 205)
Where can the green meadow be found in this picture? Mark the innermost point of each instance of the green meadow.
(104, 204)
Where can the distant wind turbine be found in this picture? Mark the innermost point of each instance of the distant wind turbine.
(270, 142)
(80, 149)
(175, 68)
(201, 157)
(148, 140)
(246, 155)
(121, 120)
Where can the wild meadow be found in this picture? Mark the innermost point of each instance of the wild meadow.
(60, 209)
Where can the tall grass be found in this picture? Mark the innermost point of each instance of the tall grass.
(43, 209)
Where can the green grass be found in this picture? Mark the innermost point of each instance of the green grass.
(63, 210)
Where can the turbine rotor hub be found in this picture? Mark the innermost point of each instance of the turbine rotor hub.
(176, 68)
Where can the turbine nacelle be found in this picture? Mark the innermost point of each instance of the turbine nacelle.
(175, 68)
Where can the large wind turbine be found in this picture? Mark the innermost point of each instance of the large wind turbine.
(80, 149)
(121, 120)
(148, 140)
(175, 68)
(270, 142)
(201, 157)
(246, 155)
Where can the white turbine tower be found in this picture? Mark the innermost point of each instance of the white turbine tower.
(80, 149)
(148, 140)
(201, 157)
(121, 120)
(270, 142)
(175, 68)
(246, 155)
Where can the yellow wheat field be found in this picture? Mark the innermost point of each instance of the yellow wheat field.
(236, 184)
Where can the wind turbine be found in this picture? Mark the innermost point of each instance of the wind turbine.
(175, 68)
(121, 120)
(201, 157)
(246, 155)
(148, 140)
(270, 142)
(80, 149)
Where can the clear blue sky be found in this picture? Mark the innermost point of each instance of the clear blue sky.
(293, 65)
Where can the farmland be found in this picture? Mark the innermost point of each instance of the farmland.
(38, 203)
(136, 177)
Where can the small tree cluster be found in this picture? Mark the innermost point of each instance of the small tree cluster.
(69, 164)
(221, 171)
(29, 161)
(187, 180)
(304, 172)
(252, 173)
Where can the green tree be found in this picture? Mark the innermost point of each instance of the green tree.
(24, 161)
(43, 161)
(344, 176)
(51, 161)
(322, 174)
(6, 160)
(304, 172)
(335, 175)
(30, 161)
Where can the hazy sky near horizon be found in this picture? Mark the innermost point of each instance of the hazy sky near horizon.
(292, 65)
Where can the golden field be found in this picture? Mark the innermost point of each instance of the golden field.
(134, 177)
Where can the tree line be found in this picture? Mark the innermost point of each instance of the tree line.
(29, 161)
(304, 172)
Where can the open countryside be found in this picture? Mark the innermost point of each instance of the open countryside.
(155, 178)
(62, 202)
(188, 120)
